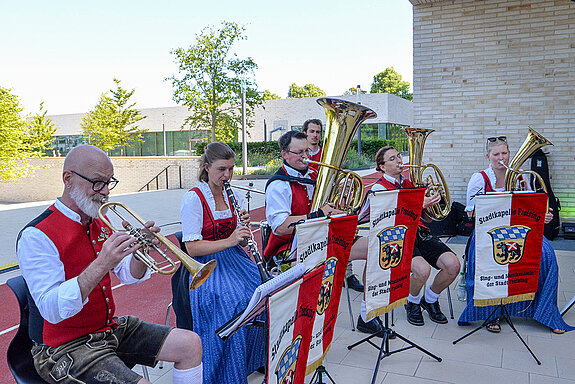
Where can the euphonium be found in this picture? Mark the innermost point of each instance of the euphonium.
(532, 143)
(334, 185)
(199, 272)
(417, 137)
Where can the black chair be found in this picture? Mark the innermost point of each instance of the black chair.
(19, 353)
(180, 297)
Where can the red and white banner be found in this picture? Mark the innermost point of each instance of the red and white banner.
(327, 241)
(291, 312)
(394, 218)
(508, 241)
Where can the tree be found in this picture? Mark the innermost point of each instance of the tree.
(308, 90)
(111, 124)
(14, 138)
(390, 81)
(42, 131)
(210, 81)
(353, 91)
(270, 96)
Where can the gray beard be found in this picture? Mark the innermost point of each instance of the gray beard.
(88, 205)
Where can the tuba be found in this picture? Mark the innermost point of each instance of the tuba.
(417, 137)
(334, 185)
(532, 143)
(199, 272)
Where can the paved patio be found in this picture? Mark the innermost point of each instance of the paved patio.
(482, 358)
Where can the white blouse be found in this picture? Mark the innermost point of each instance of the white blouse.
(476, 186)
(192, 212)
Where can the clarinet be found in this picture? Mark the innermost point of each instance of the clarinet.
(252, 246)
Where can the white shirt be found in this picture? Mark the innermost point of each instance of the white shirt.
(476, 186)
(364, 213)
(57, 298)
(192, 212)
(279, 198)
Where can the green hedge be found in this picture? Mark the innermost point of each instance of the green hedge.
(261, 152)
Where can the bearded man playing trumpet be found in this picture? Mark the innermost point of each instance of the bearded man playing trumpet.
(428, 252)
(66, 255)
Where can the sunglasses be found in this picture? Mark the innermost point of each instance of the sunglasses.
(495, 139)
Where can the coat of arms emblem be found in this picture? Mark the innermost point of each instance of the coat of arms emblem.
(326, 285)
(508, 243)
(391, 246)
(285, 371)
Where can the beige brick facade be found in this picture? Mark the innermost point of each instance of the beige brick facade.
(491, 67)
(133, 173)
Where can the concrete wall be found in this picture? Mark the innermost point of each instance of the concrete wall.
(491, 67)
(133, 173)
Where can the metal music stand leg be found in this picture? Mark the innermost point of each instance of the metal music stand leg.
(318, 376)
(450, 304)
(386, 333)
(567, 306)
(349, 305)
(507, 318)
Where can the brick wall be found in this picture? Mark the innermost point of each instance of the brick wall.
(133, 173)
(489, 68)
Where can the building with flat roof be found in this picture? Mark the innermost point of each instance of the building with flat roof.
(272, 118)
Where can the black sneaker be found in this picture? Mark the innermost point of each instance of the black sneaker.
(434, 311)
(354, 283)
(414, 315)
(372, 326)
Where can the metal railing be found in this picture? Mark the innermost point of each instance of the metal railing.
(156, 179)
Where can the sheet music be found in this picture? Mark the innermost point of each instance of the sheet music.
(257, 302)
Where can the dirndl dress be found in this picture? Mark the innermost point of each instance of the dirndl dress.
(543, 308)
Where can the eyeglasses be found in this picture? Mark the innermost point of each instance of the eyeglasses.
(300, 153)
(98, 185)
(394, 157)
(498, 138)
(495, 139)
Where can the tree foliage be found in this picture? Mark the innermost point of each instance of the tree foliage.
(389, 81)
(112, 123)
(353, 91)
(210, 81)
(42, 132)
(270, 96)
(308, 90)
(15, 146)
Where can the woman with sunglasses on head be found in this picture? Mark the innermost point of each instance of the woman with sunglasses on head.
(543, 308)
(211, 230)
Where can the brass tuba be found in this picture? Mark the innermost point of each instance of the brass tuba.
(417, 137)
(334, 185)
(199, 272)
(532, 143)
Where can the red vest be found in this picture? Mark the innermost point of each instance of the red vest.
(300, 205)
(213, 229)
(78, 245)
(315, 167)
(488, 187)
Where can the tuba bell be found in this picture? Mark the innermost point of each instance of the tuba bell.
(198, 271)
(532, 143)
(334, 185)
(417, 137)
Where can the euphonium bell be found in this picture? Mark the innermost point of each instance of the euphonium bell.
(199, 272)
(417, 137)
(334, 185)
(532, 143)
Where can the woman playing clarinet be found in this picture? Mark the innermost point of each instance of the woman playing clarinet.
(211, 230)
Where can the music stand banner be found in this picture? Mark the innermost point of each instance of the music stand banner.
(509, 236)
(291, 312)
(328, 241)
(394, 218)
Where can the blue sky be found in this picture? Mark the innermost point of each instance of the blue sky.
(66, 53)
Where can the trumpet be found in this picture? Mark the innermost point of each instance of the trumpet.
(252, 246)
(199, 272)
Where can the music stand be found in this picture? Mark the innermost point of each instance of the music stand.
(318, 376)
(567, 306)
(387, 333)
(507, 317)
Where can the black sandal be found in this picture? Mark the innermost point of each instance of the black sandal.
(494, 326)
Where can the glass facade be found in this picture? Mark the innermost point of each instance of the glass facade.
(386, 131)
(178, 143)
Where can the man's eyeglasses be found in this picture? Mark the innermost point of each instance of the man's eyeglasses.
(98, 185)
(301, 153)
